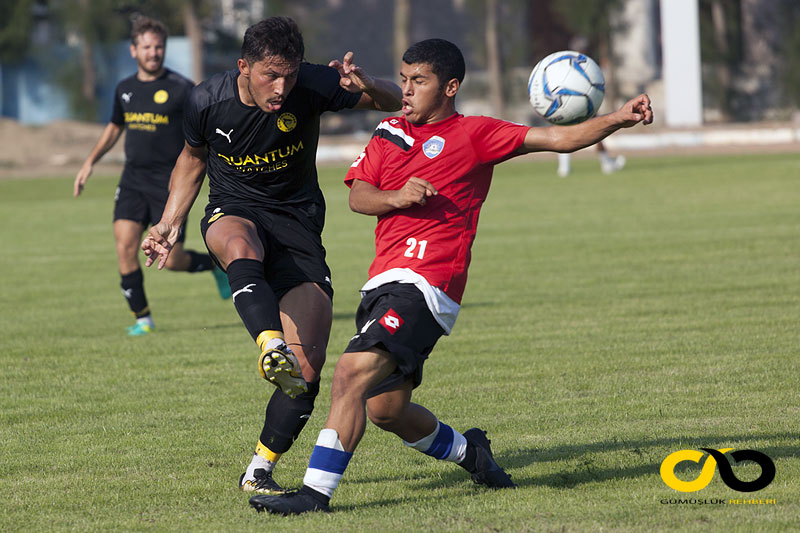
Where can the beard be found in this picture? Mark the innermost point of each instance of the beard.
(145, 66)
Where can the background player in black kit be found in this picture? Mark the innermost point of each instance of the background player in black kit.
(149, 106)
(255, 131)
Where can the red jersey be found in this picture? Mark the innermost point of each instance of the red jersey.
(457, 156)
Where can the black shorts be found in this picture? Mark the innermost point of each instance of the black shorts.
(293, 251)
(144, 206)
(395, 318)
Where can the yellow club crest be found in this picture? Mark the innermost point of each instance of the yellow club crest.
(287, 122)
(161, 96)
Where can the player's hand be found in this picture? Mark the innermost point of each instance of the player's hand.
(159, 242)
(80, 179)
(352, 77)
(635, 111)
(415, 191)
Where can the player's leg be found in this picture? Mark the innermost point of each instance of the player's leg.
(183, 260)
(420, 429)
(127, 234)
(306, 315)
(608, 163)
(564, 167)
(393, 317)
(240, 249)
(130, 214)
(355, 375)
(180, 259)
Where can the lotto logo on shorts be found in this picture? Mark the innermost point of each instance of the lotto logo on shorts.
(391, 321)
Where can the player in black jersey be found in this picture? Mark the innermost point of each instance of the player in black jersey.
(149, 107)
(254, 130)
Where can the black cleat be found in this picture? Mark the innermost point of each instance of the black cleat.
(261, 482)
(305, 500)
(484, 470)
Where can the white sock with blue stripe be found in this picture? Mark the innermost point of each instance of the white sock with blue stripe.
(444, 443)
(328, 463)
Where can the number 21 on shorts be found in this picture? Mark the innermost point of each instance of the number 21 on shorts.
(413, 249)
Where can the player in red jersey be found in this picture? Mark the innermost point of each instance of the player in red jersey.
(425, 176)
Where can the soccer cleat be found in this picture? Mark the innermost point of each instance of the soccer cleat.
(300, 501)
(485, 471)
(261, 482)
(139, 329)
(612, 164)
(223, 286)
(279, 366)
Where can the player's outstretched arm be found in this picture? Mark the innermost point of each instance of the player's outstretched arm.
(107, 140)
(184, 185)
(570, 138)
(367, 199)
(377, 93)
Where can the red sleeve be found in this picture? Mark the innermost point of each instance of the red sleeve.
(495, 139)
(368, 165)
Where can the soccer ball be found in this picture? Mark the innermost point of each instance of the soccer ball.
(566, 87)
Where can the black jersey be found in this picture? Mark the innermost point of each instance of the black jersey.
(258, 158)
(152, 114)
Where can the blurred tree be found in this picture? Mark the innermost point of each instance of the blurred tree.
(502, 34)
(87, 24)
(181, 17)
(15, 29)
(97, 25)
(194, 32)
(592, 22)
(720, 45)
(790, 51)
(402, 32)
(494, 65)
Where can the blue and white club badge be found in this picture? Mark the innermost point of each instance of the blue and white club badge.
(433, 147)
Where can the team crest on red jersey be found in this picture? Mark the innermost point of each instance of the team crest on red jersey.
(433, 146)
(391, 321)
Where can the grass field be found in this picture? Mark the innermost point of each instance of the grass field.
(609, 321)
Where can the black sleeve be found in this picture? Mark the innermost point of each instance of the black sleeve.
(324, 81)
(193, 119)
(117, 113)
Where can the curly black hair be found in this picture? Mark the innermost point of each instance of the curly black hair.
(273, 36)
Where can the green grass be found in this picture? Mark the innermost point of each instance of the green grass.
(608, 322)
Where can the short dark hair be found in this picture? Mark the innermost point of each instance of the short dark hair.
(445, 59)
(273, 36)
(142, 25)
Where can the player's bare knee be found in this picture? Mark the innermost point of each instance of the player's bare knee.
(237, 247)
(127, 259)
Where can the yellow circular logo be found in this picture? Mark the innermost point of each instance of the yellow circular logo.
(160, 97)
(668, 465)
(287, 122)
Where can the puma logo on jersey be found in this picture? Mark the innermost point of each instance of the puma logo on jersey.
(126, 97)
(391, 321)
(246, 288)
(226, 135)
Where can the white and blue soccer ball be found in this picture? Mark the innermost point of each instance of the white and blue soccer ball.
(566, 87)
